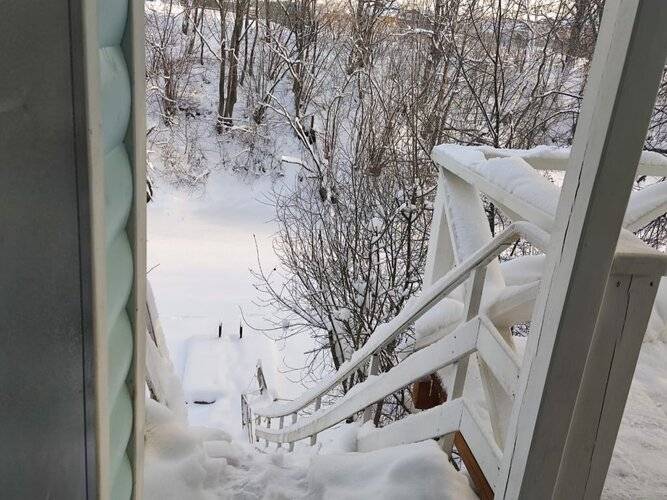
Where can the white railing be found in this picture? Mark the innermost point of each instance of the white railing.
(462, 252)
(476, 334)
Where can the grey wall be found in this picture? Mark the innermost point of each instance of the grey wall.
(45, 331)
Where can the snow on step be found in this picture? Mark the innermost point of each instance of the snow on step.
(223, 449)
(196, 463)
(419, 471)
(205, 378)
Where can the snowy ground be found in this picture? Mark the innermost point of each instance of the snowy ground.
(203, 248)
(200, 250)
(205, 464)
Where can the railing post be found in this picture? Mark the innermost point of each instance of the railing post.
(280, 426)
(291, 445)
(373, 369)
(251, 431)
(620, 328)
(268, 426)
(318, 403)
(473, 300)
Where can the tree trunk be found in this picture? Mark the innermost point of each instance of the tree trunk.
(232, 77)
(223, 59)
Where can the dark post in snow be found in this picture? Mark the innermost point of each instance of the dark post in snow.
(220, 330)
(240, 330)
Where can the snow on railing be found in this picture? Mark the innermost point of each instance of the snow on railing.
(508, 178)
(556, 158)
(476, 335)
(387, 332)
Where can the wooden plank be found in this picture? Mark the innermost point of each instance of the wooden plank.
(621, 89)
(291, 445)
(640, 211)
(502, 310)
(434, 423)
(467, 223)
(473, 300)
(135, 141)
(280, 426)
(482, 445)
(484, 490)
(440, 254)
(499, 357)
(373, 369)
(650, 163)
(492, 190)
(318, 405)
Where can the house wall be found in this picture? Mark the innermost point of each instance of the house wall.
(72, 249)
(122, 115)
(47, 404)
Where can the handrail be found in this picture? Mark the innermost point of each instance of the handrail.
(389, 331)
(461, 343)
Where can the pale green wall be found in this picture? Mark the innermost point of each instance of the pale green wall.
(116, 106)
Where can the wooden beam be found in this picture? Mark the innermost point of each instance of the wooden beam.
(621, 90)
(438, 421)
(484, 490)
(440, 254)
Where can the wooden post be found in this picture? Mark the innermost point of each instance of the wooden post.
(268, 426)
(318, 404)
(440, 254)
(484, 490)
(372, 370)
(621, 89)
(291, 445)
(473, 301)
(624, 316)
(280, 426)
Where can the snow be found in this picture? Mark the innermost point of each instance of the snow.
(201, 245)
(523, 270)
(205, 377)
(205, 464)
(167, 384)
(419, 471)
(645, 205)
(159, 369)
(442, 315)
(521, 181)
(638, 467)
(200, 250)
(558, 156)
(189, 463)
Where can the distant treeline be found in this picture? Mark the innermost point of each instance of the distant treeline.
(276, 10)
